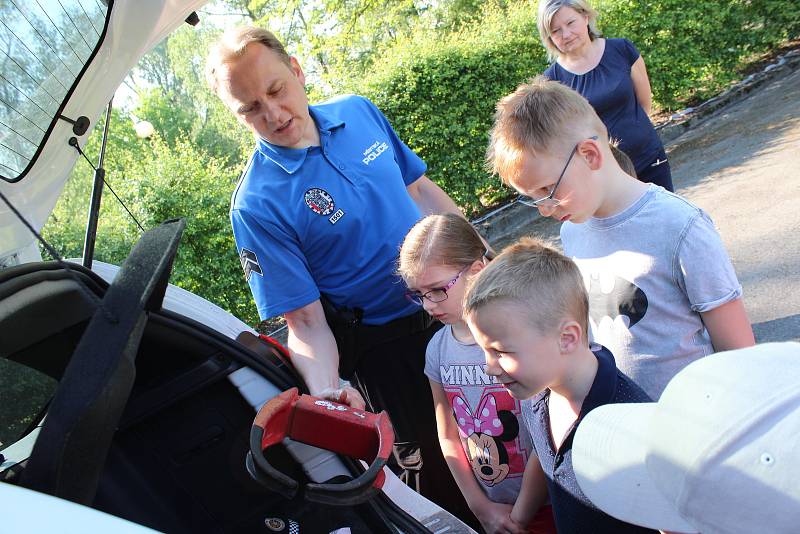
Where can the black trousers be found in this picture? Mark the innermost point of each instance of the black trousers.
(390, 376)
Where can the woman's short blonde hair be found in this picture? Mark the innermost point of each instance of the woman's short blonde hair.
(548, 9)
(233, 43)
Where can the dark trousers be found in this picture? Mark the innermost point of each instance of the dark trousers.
(658, 172)
(391, 377)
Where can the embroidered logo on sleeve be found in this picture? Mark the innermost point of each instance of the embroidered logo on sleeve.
(321, 203)
(249, 263)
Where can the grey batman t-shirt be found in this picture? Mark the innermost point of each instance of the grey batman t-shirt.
(489, 420)
(649, 271)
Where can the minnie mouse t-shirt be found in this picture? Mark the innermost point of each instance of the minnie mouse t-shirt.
(489, 420)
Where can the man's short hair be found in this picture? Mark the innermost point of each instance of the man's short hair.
(540, 116)
(232, 45)
(536, 278)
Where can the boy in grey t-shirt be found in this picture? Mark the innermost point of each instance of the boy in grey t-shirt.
(651, 271)
(662, 289)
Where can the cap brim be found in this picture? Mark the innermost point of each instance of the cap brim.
(608, 456)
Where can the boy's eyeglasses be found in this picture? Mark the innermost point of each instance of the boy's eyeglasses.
(437, 294)
(549, 201)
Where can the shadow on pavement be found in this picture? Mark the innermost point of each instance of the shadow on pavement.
(734, 136)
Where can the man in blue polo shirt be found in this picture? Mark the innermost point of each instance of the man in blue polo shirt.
(318, 217)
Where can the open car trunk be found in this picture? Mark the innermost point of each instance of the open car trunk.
(176, 459)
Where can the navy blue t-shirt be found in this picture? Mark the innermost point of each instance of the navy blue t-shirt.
(574, 513)
(609, 89)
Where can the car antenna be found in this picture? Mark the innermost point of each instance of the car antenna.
(97, 193)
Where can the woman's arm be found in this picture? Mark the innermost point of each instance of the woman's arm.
(729, 326)
(641, 85)
(494, 517)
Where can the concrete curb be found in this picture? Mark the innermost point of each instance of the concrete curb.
(685, 119)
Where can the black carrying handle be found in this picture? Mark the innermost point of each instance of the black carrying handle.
(329, 425)
(70, 451)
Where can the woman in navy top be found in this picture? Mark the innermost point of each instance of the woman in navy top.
(612, 76)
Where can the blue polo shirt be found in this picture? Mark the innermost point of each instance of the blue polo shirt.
(572, 510)
(329, 218)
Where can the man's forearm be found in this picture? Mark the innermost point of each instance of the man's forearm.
(313, 348)
(431, 199)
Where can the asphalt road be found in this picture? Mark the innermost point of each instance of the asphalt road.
(742, 166)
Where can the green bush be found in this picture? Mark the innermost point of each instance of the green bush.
(160, 181)
(440, 96)
(439, 90)
(695, 49)
(183, 181)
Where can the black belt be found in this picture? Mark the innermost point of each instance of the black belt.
(397, 328)
(354, 338)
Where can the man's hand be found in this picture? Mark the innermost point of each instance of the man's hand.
(314, 355)
(344, 395)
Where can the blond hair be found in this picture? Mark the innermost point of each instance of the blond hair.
(549, 8)
(538, 279)
(232, 45)
(540, 116)
(444, 239)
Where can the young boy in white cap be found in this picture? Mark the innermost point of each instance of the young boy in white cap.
(718, 453)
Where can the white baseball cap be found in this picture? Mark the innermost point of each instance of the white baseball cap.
(719, 452)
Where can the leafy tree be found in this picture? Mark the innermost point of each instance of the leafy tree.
(159, 181)
(183, 105)
(116, 231)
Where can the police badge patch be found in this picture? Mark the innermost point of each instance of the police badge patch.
(319, 201)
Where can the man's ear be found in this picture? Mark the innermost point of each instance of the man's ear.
(591, 152)
(298, 70)
(571, 336)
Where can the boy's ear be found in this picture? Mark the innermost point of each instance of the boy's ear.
(591, 152)
(476, 267)
(571, 336)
